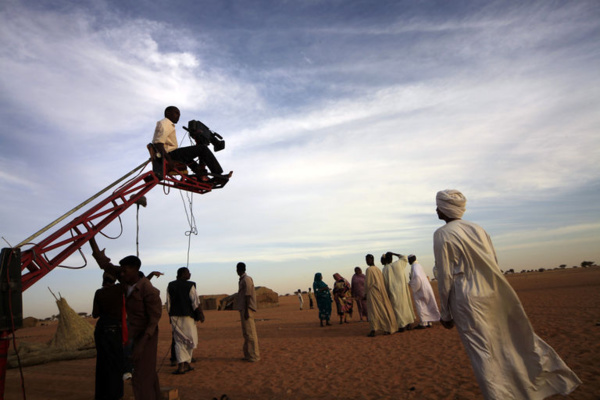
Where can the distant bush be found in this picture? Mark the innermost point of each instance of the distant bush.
(541, 269)
(586, 264)
(562, 266)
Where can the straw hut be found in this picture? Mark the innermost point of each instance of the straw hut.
(74, 338)
(265, 298)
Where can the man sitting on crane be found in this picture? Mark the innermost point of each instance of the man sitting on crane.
(165, 141)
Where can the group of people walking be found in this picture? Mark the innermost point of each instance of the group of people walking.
(509, 360)
(382, 297)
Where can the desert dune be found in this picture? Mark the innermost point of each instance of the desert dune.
(301, 360)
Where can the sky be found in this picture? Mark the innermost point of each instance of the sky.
(342, 120)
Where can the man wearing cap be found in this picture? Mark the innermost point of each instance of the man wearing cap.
(423, 296)
(143, 308)
(509, 360)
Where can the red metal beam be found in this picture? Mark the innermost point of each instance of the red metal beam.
(37, 260)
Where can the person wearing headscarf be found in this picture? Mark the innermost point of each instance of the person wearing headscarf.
(323, 297)
(343, 297)
(379, 308)
(509, 360)
(423, 296)
(359, 293)
(396, 283)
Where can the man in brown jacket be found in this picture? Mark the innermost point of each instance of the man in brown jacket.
(144, 308)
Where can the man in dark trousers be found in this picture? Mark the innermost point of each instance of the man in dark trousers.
(182, 305)
(165, 141)
(144, 308)
(108, 336)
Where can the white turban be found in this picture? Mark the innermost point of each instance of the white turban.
(451, 202)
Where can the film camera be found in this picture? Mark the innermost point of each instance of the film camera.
(202, 134)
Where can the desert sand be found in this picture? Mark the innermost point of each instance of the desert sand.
(301, 360)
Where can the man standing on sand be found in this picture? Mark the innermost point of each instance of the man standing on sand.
(423, 294)
(144, 308)
(379, 308)
(300, 299)
(310, 299)
(108, 336)
(246, 303)
(509, 360)
(182, 303)
(396, 283)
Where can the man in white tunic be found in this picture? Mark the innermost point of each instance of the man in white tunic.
(182, 301)
(396, 283)
(509, 360)
(422, 294)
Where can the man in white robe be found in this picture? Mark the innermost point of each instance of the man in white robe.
(396, 283)
(182, 302)
(423, 296)
(509, 360)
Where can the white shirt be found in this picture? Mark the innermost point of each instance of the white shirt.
(165, 133)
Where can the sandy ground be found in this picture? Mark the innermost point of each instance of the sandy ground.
(300, 360)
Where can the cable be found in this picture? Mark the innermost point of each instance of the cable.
(141, 167)
(120, 233)
(191, 222)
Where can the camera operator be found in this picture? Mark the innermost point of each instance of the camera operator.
(165, 141)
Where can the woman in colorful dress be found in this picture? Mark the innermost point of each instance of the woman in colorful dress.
(343, 297)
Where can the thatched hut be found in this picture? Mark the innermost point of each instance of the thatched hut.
(74, 338)
(265, 298)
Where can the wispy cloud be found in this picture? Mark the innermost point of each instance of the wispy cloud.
(340, 127)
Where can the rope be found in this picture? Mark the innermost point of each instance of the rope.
(191, 222)
(137, 231)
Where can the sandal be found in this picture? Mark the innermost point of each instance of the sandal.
(178, 372)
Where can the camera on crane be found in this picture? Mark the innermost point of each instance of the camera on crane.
(202, 134)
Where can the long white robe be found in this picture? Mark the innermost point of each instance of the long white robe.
(396, 283)
(379, 309)
(185, 332)
(423, 294)
(509, 360)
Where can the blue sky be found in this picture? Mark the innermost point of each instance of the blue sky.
(342, 119)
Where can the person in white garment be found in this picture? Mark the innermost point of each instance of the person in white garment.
(423, 296)
(300, 299)
(509, 360)
(182, 303)
(396, 283)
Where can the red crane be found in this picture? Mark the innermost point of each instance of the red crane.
(45, 255)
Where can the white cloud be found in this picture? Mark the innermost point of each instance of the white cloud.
(83, 78)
